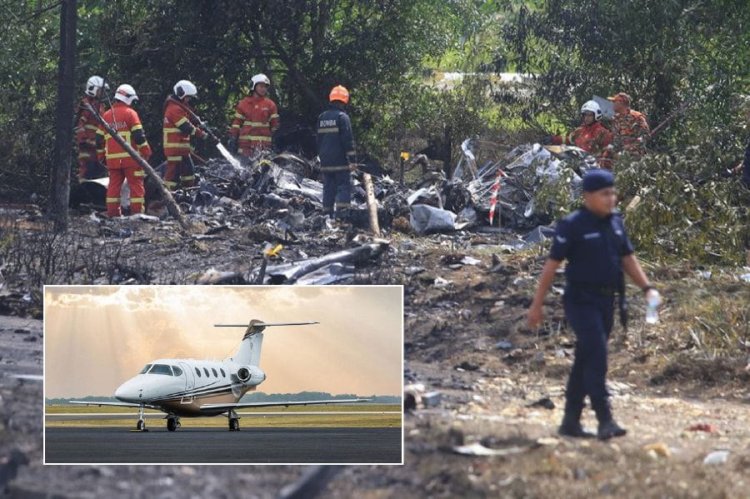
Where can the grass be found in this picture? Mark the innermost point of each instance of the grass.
(710, 316)
(82, 409)
(315, 421)
(294, 420)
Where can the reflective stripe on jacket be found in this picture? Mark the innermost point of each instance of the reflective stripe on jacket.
(335, 139)
(593, 138)
(255, 120)
(178, 128)
(86, 125)
(126, 122)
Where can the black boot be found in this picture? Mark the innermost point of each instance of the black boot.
(609, 429)
(343, 218)
(607, 426)
(571, 423)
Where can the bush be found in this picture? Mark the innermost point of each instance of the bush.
(684, 212)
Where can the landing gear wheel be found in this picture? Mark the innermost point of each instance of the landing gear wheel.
(234, 424)
(172, 424)
(141, 426)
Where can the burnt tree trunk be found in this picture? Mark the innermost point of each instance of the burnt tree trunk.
(60, 177)
(447, 154)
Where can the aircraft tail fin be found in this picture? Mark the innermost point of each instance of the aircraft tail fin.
(248, 352)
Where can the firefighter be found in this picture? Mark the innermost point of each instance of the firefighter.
(86, 127)
(630, 128)
(591, 136)
(337, 155)
(179, 127)
(255, 119)
(594, 241)
(123, 118)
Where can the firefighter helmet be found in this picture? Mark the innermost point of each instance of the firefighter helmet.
(125, 93)
(339, 93)
(260, 78)
(185, 88)
(592, 107)
(94, 86)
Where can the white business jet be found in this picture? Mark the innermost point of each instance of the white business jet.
(196, 388)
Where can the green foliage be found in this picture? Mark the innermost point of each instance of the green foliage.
(684, 54)
(28, 72)
(425, 111)
(662, 53)
(555, 197)
(685, 214)
(374, 47)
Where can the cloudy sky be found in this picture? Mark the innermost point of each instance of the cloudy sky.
(97, 337)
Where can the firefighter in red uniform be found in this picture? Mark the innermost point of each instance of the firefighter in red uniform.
(120, 164)
(255, 119)
(591, 136)
(630, 127)
(86, 127)
(179, 126)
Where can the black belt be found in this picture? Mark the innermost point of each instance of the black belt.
(608, 291)
(596, 289)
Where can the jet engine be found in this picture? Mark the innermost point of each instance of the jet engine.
(249, 375)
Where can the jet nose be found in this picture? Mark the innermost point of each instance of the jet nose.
(128, 392)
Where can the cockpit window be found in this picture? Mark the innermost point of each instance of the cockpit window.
(145, 369)
(215, 375)
(198, 372)
(206, 371)
(177, 371)
(222, 372)
(161, 369)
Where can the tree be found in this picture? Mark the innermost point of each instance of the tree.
(305, 47)
(60, 184)
(662, 53)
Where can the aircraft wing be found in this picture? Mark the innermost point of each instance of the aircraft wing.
(114, 404)
(240, 405)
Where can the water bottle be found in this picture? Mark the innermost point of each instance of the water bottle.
(653, 300)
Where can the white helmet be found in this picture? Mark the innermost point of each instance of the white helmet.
(592, 107)
(260, 78)
(184, 88)
(126, 94)
(94, 86)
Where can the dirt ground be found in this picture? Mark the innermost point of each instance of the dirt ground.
(493, 371)
(466, 338)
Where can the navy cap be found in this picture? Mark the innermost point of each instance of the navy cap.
(596, 179)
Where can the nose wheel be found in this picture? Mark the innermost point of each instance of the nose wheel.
(141, 424)
(173, 423)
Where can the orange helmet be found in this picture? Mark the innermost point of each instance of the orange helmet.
(339, 93)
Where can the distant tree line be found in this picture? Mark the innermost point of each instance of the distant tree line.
(260, 397)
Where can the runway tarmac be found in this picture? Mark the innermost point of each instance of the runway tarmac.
(214, 445)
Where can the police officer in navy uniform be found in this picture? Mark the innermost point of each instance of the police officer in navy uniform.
(598, 250)
(337, 155)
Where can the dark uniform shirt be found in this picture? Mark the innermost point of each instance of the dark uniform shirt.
(594, 248)
(335, 139)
